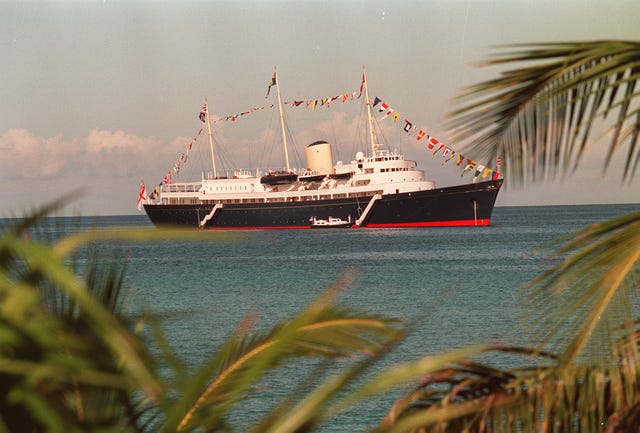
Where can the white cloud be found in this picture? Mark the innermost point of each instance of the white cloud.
(26, 155)
(101, 153)
(103, 141)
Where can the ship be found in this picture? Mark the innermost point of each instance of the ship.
(380, 190)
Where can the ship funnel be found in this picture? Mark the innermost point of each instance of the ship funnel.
(319, 157)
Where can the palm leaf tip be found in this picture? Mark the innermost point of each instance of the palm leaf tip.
(322, 330)
(541, 117)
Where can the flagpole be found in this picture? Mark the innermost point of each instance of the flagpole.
(372, 138)
(284, 136)
(213, 158)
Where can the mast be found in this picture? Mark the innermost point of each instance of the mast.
(372, 137)
(284, 136)
(213, 158)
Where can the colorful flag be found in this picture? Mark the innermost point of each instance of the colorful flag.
(385, 107)
(142, 195)
(438, 150)
(203, 112)
(453, 155)
(271, 83)
(407, 125)
(361, 85)
(470, 165)
(432, 142)
(486, 172)
(421, 134)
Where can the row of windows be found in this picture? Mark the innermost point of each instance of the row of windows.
(387, 170)
(232, 188)
(268, 199)
(386, 158)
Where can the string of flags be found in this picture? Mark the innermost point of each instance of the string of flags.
(175, 170)
(305, 103)
(436, 146)
(313, 104)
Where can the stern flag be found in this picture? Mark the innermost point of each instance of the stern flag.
(142, 195)
(203, 112)
(271, 83)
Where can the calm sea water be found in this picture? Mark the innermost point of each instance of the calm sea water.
(465, 282)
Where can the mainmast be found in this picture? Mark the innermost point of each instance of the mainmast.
(284, 135)
(372, 136)
(213, 158)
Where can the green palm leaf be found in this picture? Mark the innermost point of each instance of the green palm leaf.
(540, 117)
(472, 397)
(57, 369)
(325, 401)
(320, 330)
(586, 303)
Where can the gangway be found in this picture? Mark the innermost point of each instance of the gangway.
(367, 210)
(210, 214)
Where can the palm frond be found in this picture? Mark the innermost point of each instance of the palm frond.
(328, 399)
(585, 304)
(320, 330)
(540, 117)
(477, 398)
(56, 370)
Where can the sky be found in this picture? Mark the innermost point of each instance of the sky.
(97, 96)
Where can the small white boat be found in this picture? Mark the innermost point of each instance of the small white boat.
(330, 223)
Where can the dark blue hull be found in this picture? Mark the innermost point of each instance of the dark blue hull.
(464, 205)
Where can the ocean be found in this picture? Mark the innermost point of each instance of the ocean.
(464, 283)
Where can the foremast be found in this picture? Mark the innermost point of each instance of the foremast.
(276, 82)
(213, 157)
(372, 136)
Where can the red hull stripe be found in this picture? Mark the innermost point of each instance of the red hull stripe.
(258, 228)
(455, 223)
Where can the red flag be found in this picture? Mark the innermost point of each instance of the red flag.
(361, 85)
(203, 112)
(142, 195)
